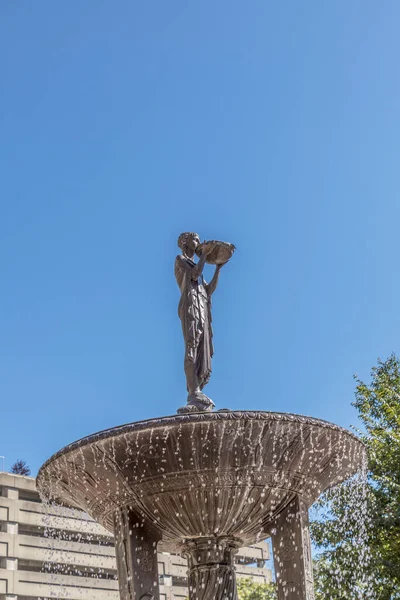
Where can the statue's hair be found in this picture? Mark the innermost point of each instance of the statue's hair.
(184, 236)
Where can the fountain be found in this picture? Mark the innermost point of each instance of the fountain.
(203, 483)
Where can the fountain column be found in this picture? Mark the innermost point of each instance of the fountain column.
(211, 574)
(136, 550)
(292, 553)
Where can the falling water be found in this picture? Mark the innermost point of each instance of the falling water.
(345, 566)
(65, 548)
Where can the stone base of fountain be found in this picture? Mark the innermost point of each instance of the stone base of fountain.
(202, 485)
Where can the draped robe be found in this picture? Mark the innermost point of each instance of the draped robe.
(194, 311)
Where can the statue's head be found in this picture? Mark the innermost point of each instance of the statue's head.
(188, 242)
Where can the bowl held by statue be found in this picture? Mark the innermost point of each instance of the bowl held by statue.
(218, 253)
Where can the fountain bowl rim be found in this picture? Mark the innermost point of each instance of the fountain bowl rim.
(194, 417)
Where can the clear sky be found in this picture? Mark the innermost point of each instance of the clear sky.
(272, 125)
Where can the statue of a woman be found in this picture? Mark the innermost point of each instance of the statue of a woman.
(195, 314)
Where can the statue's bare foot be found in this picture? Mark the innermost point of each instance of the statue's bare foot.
(197, 402)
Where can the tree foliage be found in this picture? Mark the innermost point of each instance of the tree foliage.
(251, 590)
(20, 467)
(378, 406)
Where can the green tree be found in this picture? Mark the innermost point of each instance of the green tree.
(378, 406)
(251, 590)
(20, 467)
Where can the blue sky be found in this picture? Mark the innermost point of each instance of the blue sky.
(274, 126)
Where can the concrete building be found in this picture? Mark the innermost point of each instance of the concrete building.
(66, 555)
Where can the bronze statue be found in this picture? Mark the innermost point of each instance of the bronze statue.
(195, 312)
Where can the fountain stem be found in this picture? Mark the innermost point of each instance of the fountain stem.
(211, 574)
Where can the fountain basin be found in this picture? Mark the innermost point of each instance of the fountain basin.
(202, 475)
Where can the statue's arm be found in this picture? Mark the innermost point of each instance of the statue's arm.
(212, 286)
(194, 272)
(180, 269)
(198, 269)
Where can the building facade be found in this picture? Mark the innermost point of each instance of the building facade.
(63, 554)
